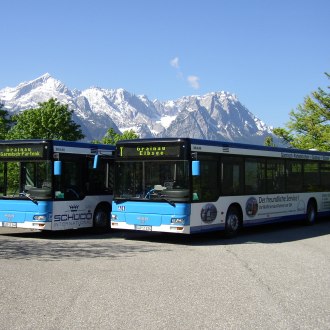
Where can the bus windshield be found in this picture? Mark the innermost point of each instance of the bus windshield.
(25, 179)
(152, 180)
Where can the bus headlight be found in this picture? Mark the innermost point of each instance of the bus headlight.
(177, 220)
(40, 217)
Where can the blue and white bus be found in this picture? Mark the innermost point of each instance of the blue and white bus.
(190, 186)
(55, 185)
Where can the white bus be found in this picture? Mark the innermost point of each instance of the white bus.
(55, 185)
(191, 186)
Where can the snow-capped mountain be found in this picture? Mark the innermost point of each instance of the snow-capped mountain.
(214, 116)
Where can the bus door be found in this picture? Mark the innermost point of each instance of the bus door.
(205, 194)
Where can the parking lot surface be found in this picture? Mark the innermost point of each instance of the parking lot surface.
(270, 277)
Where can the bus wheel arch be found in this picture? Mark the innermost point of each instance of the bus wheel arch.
(101, 218)
(234, 220)
(311, 212)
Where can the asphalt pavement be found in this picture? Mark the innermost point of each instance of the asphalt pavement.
(270, 277)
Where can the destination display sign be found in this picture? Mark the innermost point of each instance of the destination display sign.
(149, 151)
(21, 151)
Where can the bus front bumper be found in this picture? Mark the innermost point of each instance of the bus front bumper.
(162, 228)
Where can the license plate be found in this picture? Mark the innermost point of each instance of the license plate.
(9, 224)
(145, 228)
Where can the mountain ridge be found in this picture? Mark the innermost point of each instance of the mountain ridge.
(215, 115)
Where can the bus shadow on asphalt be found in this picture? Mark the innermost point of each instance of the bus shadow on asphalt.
(71, 234)
(81, 244)
(69, 245)
(265, 234)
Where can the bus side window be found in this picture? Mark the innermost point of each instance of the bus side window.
(255, 176)
(206, 185)
(311, 176)
(325, 176)
(232, 176)
(294, 178)
(69, 185)
(275, 176)
(100, 179)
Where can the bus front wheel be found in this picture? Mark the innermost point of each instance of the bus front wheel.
(101, 221)
(233, 222)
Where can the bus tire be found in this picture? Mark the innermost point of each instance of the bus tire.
(101, 219)
(311, 213)
(233, 222)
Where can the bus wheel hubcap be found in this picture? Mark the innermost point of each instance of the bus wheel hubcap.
(233, 222)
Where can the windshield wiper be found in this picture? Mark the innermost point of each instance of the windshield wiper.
(167, 200)
(29, 197)
(158, 195)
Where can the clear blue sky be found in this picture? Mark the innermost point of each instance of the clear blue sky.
(271, 54)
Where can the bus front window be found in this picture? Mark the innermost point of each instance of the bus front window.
(152, 180)
(9, 178)
(20, 178)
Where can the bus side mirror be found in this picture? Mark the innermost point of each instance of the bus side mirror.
(96, 161)
(196, 168)
(57, 167)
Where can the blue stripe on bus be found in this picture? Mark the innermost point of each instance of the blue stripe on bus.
(22, 211)
(150, 213)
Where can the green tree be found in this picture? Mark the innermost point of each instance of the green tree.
(112, 137)
(4, 122)
(51, 120)
(269, 141)
(309, 125)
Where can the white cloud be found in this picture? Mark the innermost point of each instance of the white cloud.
(193, 82)
(175, 63)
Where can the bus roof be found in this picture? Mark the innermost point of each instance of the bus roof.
(60, 143)
(225, 144)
